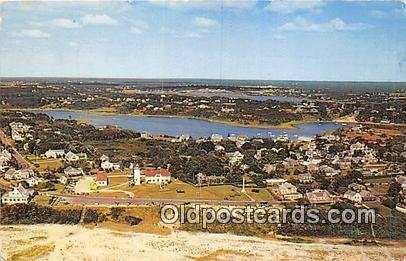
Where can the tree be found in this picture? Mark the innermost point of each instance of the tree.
(207, 146)
(394, 189)
(24, 184)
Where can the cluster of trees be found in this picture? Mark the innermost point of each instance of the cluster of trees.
(386, 227)
(93, 216)
(35, 214)
(245, 111)
(393, 111)
(61, 134)
(117, 214)
(244, 229)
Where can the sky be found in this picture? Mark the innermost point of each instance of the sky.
(270, 40)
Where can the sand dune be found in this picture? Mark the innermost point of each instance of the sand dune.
(60, 242)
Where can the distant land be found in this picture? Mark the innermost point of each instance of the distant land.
(189, 82)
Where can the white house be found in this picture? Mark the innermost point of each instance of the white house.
(16, 136)
(18, 174)
(107, 165)
(305, 178)
(158, 176)
(71, 171)
(353, 196)
(71, 157)
(5, 155)
(319, 196)
(216, 138)
(34, 181)
(275, 181)
(289, 191)
(20, 127)
(19, 195)
(102, 179)
(104, 158)
(54, 153)
(235, 157)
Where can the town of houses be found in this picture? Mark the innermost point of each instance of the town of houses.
(309, 171)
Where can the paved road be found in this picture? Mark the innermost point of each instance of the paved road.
(111, 201)
(22, 162)
(3, 138)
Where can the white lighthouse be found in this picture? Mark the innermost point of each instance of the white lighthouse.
(243, 185)
(136, 175)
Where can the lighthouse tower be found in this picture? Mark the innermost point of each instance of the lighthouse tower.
(136, 175)
(243, 185)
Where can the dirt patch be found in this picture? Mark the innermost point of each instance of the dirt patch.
(224, 254)
(32, 253)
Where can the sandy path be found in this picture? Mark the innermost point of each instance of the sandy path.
(59, 242)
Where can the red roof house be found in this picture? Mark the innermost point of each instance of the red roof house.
(158, 172)
(102, 179)
(158, 176)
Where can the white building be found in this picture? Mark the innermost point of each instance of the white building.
(235, 157)
(158, 176)
(21, 174)
(5, 155)
(106, 165)
(275, 181)
(16, 136)
(216, 138)
(34, 181)
(19, 195)
(54, 153)
(20, 127)
(102, 179)
(289, 191)
(353, 196)
(104, 158)
(71, 157)
(71, 171)
(136, 176)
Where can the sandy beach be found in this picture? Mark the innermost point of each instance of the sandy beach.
(62, 242)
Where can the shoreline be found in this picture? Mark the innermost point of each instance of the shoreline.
(292, 125)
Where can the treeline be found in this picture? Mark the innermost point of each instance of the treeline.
(385, 227)
(36, 214)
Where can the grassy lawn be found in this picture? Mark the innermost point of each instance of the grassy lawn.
(45, 163)
(41, 200)
(114, 181)
(191, 192)
(222, 192)
(262, 195)
(59, 187)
